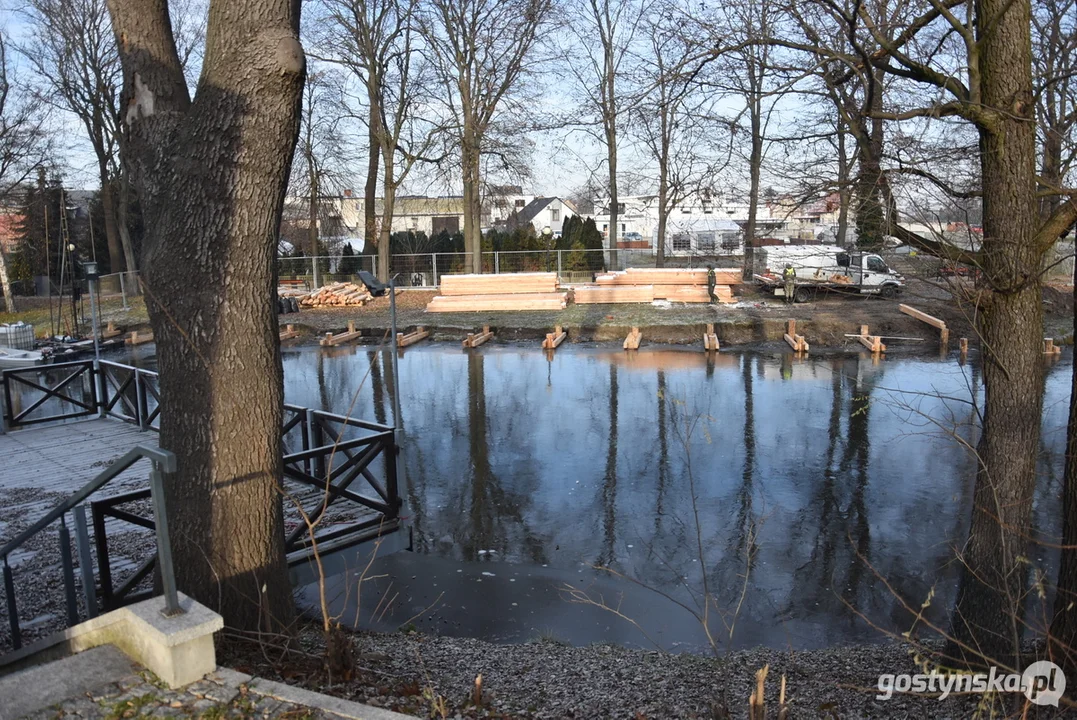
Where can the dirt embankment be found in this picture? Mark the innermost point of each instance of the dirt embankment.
(756, 318)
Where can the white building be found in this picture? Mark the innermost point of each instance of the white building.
(542, 213)
(713, 224)
(429, 215)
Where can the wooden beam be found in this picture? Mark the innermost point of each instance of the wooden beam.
(797, 342)
(871, 342)
(710, 340)
(137, 338)
(1049, 347)
(944, 332)
(473, 340)
(555, 338)
(331, 340)
(289, 333)
(411, 338)
(111, 331)
(963, 345)
(633, 339)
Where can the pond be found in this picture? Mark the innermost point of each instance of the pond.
(597, 496)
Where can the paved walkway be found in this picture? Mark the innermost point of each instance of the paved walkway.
(102, 684)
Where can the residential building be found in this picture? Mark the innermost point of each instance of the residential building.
(542, 213)
(429, 215)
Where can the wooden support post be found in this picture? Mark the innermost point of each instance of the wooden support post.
(1049, 347)
(555, 338)
(288, 333)
(963, 345)
(633, 339)
(944, 332)
(710, 340)
(110, 331)
(797, 342)
(473, 340)
(871, 342)
(137, 338)
(331, 340)
(411, 338)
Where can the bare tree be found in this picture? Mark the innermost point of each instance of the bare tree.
(24, 146)
(480, 49)
(376, 41)
(674, 118)
(211, 173)
(1054, 24)
(320, 154)
(996, 98)
(73, 50)
(599, 59)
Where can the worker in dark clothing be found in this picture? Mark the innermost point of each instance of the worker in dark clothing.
(710, 284)
(789, 275)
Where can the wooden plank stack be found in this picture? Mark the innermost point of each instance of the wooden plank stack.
(337, 294)
(673, 284)
(502, 292)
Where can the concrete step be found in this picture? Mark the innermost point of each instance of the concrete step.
(42, 686)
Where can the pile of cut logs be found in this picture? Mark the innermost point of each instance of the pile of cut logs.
(637, 285)
(335, 295)
(507, 291)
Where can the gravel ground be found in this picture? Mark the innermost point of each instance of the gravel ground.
(547, 680)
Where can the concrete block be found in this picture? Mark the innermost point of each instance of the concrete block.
(178, 649)
(42, 686)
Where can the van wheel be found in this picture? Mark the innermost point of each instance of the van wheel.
(888, 292)
(802, 295)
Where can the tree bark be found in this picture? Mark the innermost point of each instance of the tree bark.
(312, 217)
(123, 208)
(370, 191)
(755, 168)
(212, 175)
(5, 284)
(387, 209)
(843, 185)
(987, 623)
(472, 199)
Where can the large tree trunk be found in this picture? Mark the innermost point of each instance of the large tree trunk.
(472, 199)
(843, 185)
(312, 219)
(370, 190)
(663, 214)
(987, 619)
(755, 169)
(615, 228)
(5, 284)
(212, 175)
(388, 202)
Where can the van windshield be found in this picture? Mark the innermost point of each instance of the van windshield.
(876, 264)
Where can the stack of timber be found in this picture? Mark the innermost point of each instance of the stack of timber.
(337, 294)
(649, 284)
(503, 292)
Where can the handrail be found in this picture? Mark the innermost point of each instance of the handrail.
(166, 459)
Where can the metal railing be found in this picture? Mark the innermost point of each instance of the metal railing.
(426, 269)
(329, 463)
(163, 462)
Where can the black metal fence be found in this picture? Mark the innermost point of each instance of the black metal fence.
(339, 480)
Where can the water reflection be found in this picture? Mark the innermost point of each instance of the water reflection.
(813, 478)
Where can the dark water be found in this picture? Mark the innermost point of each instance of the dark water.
(813, 481)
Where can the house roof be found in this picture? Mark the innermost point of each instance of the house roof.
(532, 209)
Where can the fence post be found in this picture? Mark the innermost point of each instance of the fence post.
(497, 262)
(374, 265)
(434, 268)
(123, 292)
(559, 263)
(140, 401)
(82, 545)
(164, 546)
